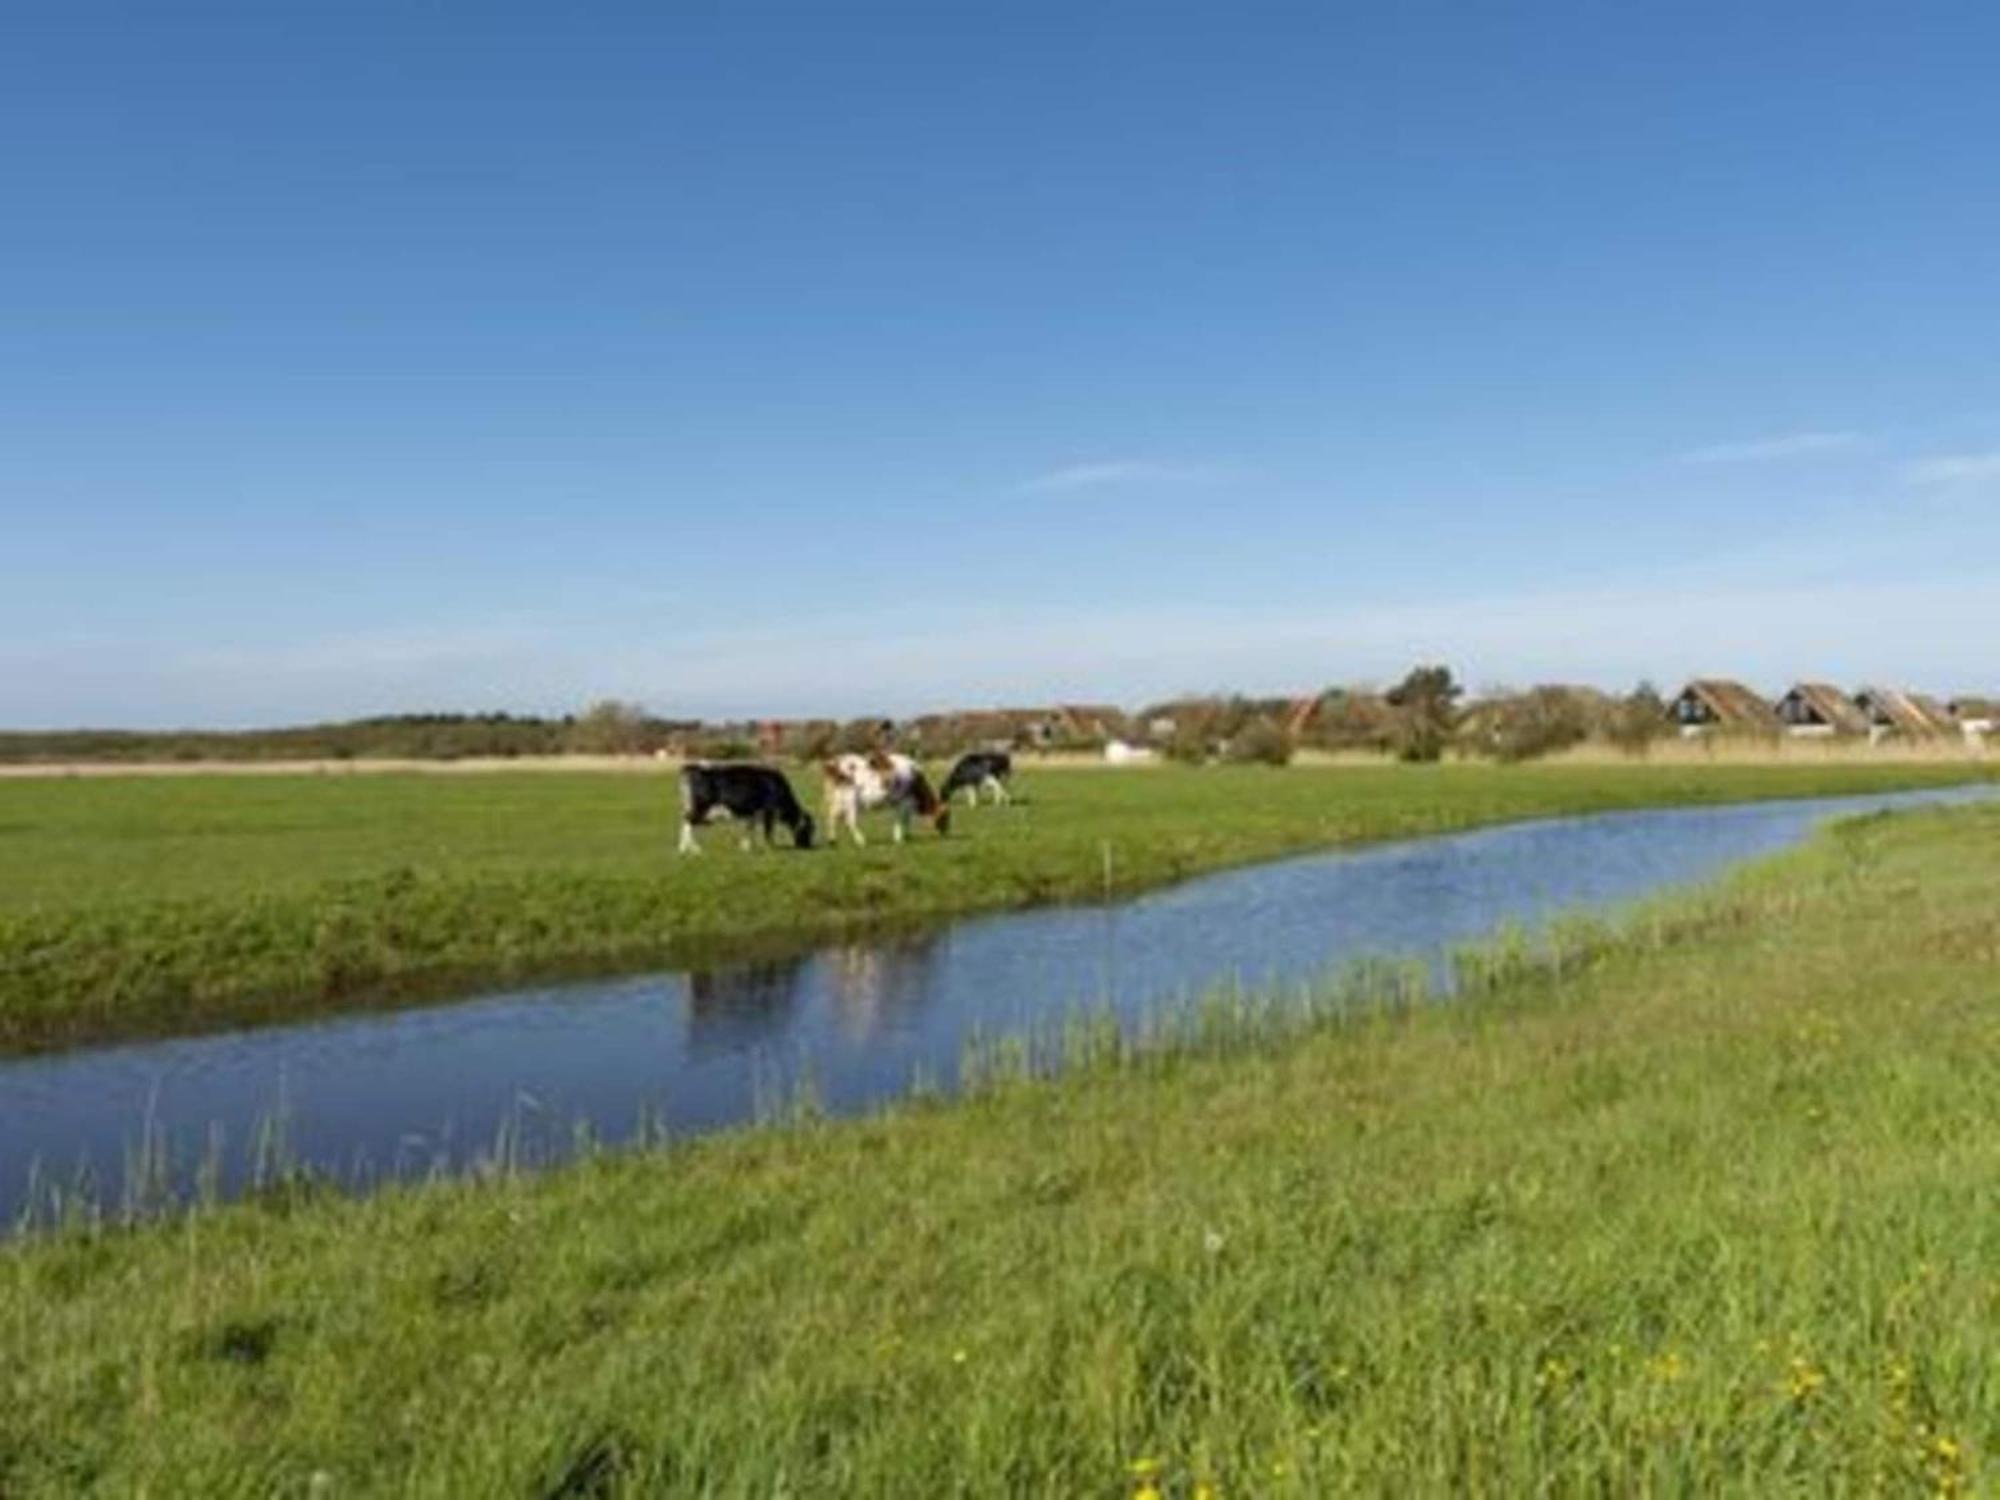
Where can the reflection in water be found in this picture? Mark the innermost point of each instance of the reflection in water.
(877, 987)
(735, 1007)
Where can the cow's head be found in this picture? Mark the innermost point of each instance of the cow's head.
(802, 831)
(941, 819)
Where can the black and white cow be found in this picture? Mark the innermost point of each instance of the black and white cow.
(980, 771)
(750, 794)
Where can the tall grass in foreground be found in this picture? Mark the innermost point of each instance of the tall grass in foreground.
(1702, 1202)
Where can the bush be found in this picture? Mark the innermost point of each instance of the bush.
(1350, 720)
(1188, 744)
(1260, 743)
(605, 728)
(1639, 720)
(1533, 724)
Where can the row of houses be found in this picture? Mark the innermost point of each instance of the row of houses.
(1359, 718)
(1808, 709)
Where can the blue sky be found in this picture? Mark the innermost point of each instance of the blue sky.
(773, 358)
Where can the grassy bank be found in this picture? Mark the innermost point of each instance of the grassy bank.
(1706, 1206)
(151, 906)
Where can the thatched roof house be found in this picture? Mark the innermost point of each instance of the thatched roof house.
(1934, 710)
(1719, 705)
(1976, 716)
(1911, 715)
(1820, 708)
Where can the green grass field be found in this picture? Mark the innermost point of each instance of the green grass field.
(1704, 1203)
(152, 905)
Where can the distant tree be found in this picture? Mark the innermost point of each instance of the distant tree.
(609, 727)
(1425, 713)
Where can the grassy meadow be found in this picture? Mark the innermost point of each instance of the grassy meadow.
(139, 905)
(1699, 1200)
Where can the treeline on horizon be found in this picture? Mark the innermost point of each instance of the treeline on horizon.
(1420, 718)
(432, 736)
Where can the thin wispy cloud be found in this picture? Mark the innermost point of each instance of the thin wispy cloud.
(1758, 450)
(1117, 472)
(1954, 469)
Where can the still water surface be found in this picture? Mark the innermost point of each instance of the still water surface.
(433, 1089)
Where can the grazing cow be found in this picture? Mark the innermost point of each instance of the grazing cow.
(980, 771)
(751, 794)
(855, 783)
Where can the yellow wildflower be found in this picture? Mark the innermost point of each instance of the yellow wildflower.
(1667, 1367)
(1143, 1468)
(1948, 1465)
(1804, 1381)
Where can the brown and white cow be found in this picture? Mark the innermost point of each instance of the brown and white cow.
(856, 783)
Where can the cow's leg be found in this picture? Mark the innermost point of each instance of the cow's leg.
(844, 809)
(902, 821)
(688, 845)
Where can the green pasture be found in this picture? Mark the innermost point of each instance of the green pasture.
(147, 905)
(1698, 1202)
